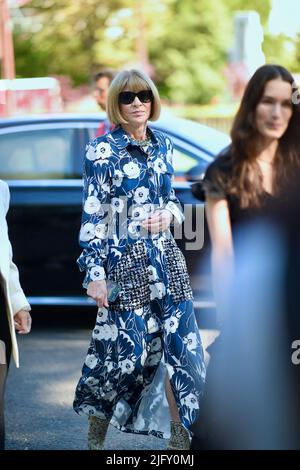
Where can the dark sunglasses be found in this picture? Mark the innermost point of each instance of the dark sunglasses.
(128, 97)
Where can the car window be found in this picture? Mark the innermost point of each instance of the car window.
(37, 154)
(182, 161)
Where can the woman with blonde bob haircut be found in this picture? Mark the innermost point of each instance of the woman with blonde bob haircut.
(146, 344)
(134, 80)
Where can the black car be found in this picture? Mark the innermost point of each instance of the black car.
(41, 159)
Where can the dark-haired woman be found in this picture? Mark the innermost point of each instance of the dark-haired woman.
(256, 168)
(243, 186)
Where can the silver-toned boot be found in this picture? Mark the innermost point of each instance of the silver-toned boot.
(97, 432)
(180, 439)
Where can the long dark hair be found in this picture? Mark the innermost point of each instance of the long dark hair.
(246, 178)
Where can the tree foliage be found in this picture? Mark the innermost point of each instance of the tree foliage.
(186, 42)
(61, 37)
(263, 8)
(189, 52)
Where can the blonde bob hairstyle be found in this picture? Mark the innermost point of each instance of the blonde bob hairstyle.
(130, 80)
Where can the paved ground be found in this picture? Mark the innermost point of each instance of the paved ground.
(39, 395)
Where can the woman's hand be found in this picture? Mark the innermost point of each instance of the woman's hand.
(97, 290)
(22, 321)
(159, 221)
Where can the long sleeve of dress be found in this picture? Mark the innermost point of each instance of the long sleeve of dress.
(96, 203)
(172, 204)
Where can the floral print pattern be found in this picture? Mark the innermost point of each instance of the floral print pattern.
(150, 330)
(123, 185)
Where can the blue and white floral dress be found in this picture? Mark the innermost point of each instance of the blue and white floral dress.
(150, 330)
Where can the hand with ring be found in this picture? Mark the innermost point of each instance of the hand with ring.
(159, 221)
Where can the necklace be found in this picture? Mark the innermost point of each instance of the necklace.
(143, 142)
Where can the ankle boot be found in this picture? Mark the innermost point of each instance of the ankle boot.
(97, 432)
(179, 439)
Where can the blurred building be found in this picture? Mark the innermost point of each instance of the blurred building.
(246, 54)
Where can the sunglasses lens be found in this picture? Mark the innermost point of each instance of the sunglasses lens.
(126, 97)
(145, 96)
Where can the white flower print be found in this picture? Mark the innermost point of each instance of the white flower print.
(105, 187)
(114, 332)
(143, 357)
(102, 314)
(91, 153)
(91, 361)
(118, 178)
(191, 401)
(100, 231)
(102, 332)
(91, 190)
(139, 311)
(133, 229)
(92, 382)
(109, 366)
(159, 166)
(91, 205)
(126, 366)
(152, 325)
(87, 232)
(97, 273)
(153, 359)
(158, 290)
(171, 324)
(191, 341)
(117, 204)
(141, 195)
(120, 409)
(103, 150)
(153, 276)
(132, 170)
(138, 213)
(155, 345)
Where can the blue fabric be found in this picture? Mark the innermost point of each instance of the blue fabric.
(134, 348)
(123, 185)
(129, 356)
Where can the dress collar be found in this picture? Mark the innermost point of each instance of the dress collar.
(122, 140)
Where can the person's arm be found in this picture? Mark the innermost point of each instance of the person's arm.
(19, 303)
(219, 225)
(172, 204)
(171, 210)
(94, 229)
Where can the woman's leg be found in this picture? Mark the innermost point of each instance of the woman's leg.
(179, 439)
(97, 432)
(172, 402)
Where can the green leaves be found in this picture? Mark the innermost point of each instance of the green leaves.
(185, 41)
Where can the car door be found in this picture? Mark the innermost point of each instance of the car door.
(41, 163)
